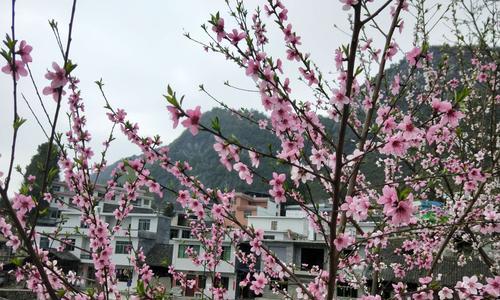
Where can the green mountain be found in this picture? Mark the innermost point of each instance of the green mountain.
(198, 150)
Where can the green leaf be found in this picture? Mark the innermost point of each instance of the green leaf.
(24, 190)
(53, 24)
(233, 140)
(165, 262)
(52, 173)
(44, 212)
(171, 97)
(429, 216)
(69, 66)
(6, 55)
(216, 124)
(16, 261)
(359, 69)
(403, 194)
(18, 122)
(99, 83)
(10, 43)
(425, 47)
(61, 293)
(140, 288)
(460, 96)
(443, 219)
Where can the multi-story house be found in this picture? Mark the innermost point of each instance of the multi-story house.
(203, 277)
(253, 204)
(142, 228)
(295, 243)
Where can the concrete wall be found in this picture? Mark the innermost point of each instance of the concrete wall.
(185, 264)
(298, 225)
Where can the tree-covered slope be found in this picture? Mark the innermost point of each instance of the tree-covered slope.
(198, 150)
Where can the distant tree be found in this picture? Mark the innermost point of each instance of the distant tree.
(36, 168)
(168, 210)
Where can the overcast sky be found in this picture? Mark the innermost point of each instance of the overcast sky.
(138, 47)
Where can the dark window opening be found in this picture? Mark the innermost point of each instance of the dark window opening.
(174, 233)
(123, 247)
(83, 225)
(222, 282)
(182, 220)
(69, 244)
(202, 281)
(282, 285)
(54, 214)
(124, 275)
(311, 257)
(144, 224)
(182, 250)
(44, 243)
(344, 290)
(226, 253)
(463, 246)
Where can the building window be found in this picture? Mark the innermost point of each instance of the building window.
(91, 273)
(123, 274)
(226, 253)
(55, 214)
(202, 281)
(274, 225)
(247, 213)
(310, 257)
(344, 290)
(182, 250)
(222, 282)
(146, 202)
(69, 244)
(182, 220)
(122, 247)
(269, 237)
(283, 285)
(174, 233)
(138, 202)
(144, 224)
(186, 234)
(44, 243)
(83, 225)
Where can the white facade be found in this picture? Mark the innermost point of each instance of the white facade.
(282, 228)
(271, 209)
(183, 263)
(142, 222)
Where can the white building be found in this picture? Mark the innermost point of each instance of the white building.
(147, 229)
(282, 228)
(202, 276)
